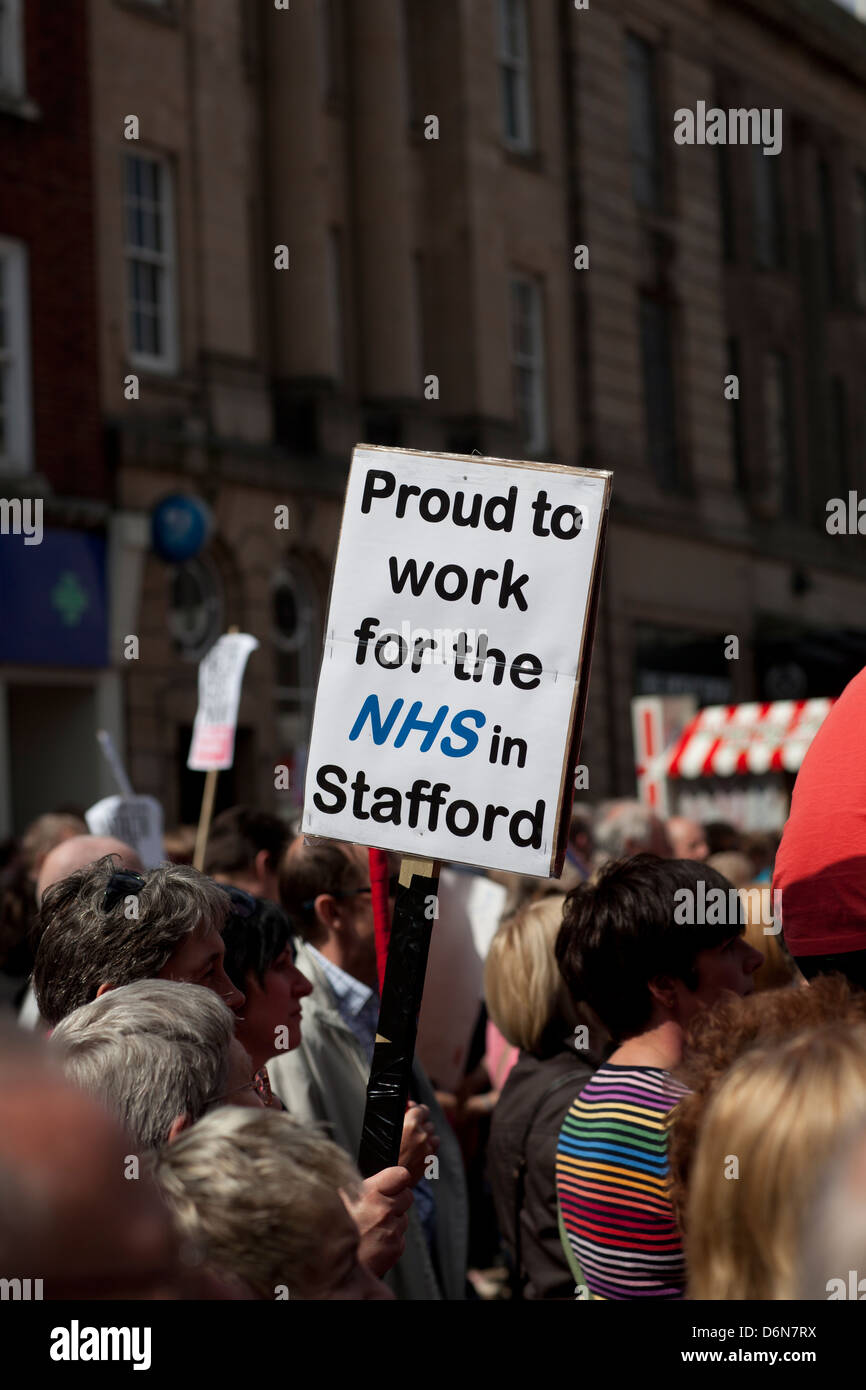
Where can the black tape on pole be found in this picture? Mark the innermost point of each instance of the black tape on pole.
(391, 1069)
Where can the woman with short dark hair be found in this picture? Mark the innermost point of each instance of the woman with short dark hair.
(647, 945)
(260, 952)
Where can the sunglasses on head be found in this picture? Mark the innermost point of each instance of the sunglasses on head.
(122, 884)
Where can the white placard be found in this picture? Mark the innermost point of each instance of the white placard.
(420, 744)
(220, 675)
(137, 820)
(470, 909)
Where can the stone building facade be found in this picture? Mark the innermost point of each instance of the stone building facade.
(465, 225)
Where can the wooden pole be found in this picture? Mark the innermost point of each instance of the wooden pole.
(204, 820)
(415, 909)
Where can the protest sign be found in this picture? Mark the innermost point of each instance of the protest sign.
(137, 820)
(220, 674)
(456, 658)
(451, 695)
(212, 749)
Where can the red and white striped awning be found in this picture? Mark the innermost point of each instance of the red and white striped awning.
(723, 740)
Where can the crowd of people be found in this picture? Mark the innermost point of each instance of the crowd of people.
(656, 1103)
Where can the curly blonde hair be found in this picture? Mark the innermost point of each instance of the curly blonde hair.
(717, 1037)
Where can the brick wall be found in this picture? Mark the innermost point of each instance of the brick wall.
(46, 182)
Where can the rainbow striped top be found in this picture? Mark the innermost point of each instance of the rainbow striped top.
(611, 1168)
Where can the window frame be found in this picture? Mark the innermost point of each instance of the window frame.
(419, 318)
(738, 434)
(784, 490)
(727, 210)
(167, 363)
(19, 461)
(535, 362)
(327, 52)
(666, 470)
(519, 66)
(776, 226)
(839, 431)
(202, 571)
(13, 77)
(336, 301)
(657, 202)
(860, 237)
(295, 702)
(828, 228)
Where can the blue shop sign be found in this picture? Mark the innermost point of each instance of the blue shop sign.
(53, 600)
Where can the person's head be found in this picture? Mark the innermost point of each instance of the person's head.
(851, 964)
(68, 1212)
(521, 890)
(734, 866)
(325, 888)
(259, 1194)
(687, 838)
(779, 1113)
(722, 838)
(624, 828)
(629, 947)
(525, 993)
(43, 834)
(761, 847)
(580, 841)
(76, 852)
(178, 844)
(246, 847)
(102, 928)
(43, 840)
(260, 960)
(716, 1038)
(179, 1036)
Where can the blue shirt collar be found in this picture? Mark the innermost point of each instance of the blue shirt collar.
(351, 995)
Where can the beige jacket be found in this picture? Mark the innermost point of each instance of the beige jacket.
(324, 1081)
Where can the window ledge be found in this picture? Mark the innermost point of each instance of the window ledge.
(160, 368)
(524, 158)
(164, 13)
(21, 106)
(23, 484)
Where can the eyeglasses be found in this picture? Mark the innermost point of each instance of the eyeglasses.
(393, 882)
(123, 883)
(238, 1090)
